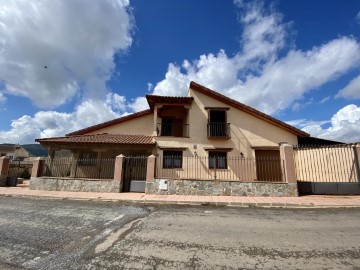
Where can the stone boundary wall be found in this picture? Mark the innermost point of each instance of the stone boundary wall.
(223, 188)
(82, 185)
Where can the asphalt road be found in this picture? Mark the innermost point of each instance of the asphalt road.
(61, 234)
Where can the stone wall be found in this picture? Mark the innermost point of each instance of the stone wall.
(223, 188)
(66, 184)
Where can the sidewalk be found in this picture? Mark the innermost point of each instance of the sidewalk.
(314, 201)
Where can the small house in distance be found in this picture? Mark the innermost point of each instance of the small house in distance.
(204, 143)
(21, 152)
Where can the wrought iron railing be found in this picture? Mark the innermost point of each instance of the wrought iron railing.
(218, 130)
(78, 168)
(173, 129)
(227, 169)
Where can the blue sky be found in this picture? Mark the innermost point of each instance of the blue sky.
(296, 60)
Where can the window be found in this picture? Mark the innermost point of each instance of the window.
(217, 124)
(217, 160)
(172, 159)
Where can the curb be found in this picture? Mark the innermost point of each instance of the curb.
(190, 203)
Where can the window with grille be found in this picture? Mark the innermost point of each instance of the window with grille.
(172, 159)
(217, 160)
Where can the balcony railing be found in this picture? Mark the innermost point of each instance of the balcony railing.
(174, 129)
(218, 130)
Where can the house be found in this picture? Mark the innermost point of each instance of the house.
(20, 152)
(196, 139)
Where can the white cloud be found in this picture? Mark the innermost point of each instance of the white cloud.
(150, 87)
(352, 90)
(344, 126)
(49, 50)
(52, 124)
(116, 101)
(358, 17)
(324, 100)
(301, 123)
(257, 75)
(139, 104)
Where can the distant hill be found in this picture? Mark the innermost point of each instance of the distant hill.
(35, 150)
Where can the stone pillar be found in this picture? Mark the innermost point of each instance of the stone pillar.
(38, 164)
(150, 169)
(287, 155)
(4, 168)
(118, 172)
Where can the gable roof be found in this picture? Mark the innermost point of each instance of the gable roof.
(240, 106)
(110, 123)
(104, 138)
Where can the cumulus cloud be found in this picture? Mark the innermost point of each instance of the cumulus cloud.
(258, 74)
(351, 91)
(138, 104)
(50, 50)
(52, 124)
(344, 125)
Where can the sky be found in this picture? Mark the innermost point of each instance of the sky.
(70, 64)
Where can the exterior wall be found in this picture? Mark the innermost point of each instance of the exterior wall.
(247, 131)
(197, 168)
(81, 185)
(141, 125)
(223, 188)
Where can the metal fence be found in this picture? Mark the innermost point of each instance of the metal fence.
(228, 169)
(20, 169)
(338, 163)
(79, 168)
(134, 173)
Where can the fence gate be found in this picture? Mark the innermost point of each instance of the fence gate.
(134, 177)
(329, 170)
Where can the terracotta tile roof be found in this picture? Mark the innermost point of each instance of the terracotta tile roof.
(100, 139)
(110, 123)
(248, 109)
(153, 99)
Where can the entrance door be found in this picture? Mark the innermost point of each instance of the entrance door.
(268, 165)
(134, 177)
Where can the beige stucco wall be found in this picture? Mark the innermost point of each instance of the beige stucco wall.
(247, 131)
(142, 125)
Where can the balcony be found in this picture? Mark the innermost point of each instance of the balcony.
(172, 129)
(218, 130)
